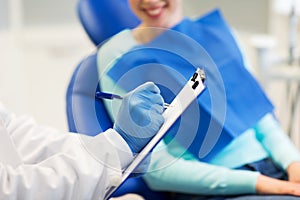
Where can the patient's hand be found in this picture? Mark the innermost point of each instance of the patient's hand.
(128, 197)
(293, 172)
(267, 185)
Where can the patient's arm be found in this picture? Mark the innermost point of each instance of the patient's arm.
(189, 175)
(276, 142)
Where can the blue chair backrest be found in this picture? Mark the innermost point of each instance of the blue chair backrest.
(86, 114)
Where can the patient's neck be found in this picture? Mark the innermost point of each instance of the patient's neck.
(144, 35)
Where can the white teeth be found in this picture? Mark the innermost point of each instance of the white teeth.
(154, 12)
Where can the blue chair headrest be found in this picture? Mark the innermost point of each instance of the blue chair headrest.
(102, 19)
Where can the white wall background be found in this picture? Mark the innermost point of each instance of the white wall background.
(41, 42)
(250, 16)
(3, 14)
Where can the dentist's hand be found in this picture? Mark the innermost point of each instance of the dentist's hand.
(140, 116)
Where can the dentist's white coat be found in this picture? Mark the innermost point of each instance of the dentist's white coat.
(41, 163)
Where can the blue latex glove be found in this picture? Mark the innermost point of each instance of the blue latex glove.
(140, 116)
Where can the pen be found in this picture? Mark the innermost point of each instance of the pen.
(104, 95)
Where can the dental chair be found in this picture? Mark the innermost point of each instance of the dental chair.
(102, 19)
(86, 114)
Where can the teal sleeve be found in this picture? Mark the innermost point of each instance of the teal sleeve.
(188, 175)
(276, 141)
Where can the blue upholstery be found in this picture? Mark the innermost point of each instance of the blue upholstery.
(102, 19)
(86, 114)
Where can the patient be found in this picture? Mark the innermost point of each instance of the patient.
(228, 144)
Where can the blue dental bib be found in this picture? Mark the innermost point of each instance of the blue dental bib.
(233, 100)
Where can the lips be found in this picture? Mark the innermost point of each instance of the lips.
(154, 12)
(155, 9)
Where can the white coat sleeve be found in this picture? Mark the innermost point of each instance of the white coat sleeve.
(58, 165)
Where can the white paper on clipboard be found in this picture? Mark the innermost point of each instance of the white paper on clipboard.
(188, 93)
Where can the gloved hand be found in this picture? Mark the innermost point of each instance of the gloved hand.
(140, 116)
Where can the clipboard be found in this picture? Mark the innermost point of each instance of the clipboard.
(188, 93)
